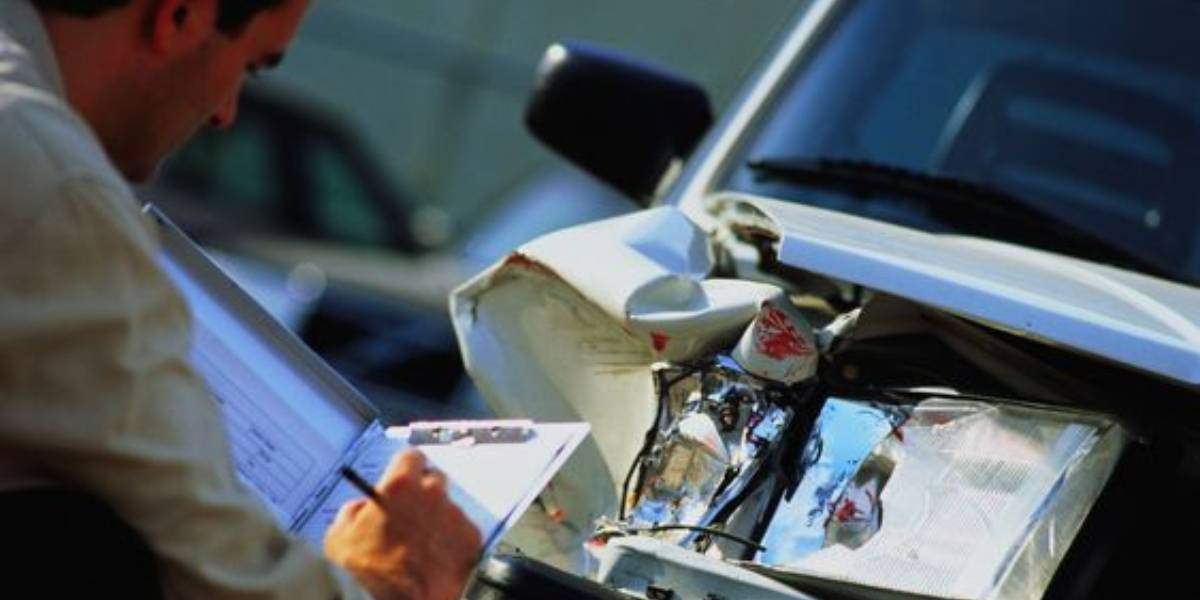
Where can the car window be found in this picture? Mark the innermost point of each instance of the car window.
(234, 170)
(1090, 114)
(343, 207)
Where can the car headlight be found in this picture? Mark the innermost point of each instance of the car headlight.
(928, 493)
(945, 497)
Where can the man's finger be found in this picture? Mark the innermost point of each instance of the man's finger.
(406, 467)
(433, 481)
(349, 509)
(404, 464)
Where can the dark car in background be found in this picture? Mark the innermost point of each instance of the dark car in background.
(297, 209)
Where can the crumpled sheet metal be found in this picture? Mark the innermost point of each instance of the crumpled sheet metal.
(718, 425)
(948, 498)
(567, 327)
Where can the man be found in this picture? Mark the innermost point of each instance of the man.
(95, 392)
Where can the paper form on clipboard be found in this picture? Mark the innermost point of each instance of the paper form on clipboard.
(293, 422)
(491, 483)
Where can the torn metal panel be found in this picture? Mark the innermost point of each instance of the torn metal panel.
(568, 327)
(718, 425)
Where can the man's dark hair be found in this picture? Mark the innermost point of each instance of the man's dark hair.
(233, 16)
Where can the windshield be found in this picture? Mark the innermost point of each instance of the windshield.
(1087, 113)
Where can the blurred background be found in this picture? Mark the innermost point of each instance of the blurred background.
(385, 162)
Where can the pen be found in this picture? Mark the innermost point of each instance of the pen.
(363, 486)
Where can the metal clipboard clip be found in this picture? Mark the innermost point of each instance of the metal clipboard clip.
(469, 433)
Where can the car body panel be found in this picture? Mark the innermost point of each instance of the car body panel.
(1125, 317)
(566, 327)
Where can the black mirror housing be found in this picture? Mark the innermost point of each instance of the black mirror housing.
(619, 119)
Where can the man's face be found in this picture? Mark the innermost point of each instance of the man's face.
(201, 86)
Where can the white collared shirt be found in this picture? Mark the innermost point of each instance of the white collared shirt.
(95, 390)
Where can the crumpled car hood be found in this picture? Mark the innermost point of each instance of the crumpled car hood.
(1151, 324)
(565, 327)
(568, 327)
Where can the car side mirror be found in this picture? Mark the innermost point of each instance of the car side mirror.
(623, 121)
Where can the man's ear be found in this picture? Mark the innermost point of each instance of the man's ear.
(180, 25)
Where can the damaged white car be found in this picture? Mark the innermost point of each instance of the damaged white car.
(918, 317)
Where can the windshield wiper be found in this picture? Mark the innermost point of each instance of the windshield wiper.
(966, 203)
(867, 179)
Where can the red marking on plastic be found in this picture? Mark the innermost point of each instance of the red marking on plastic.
(899, 433)
(520, 260)
(776, 337)
(659, 340)
(846, 511)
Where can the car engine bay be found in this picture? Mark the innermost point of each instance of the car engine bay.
(815, 437)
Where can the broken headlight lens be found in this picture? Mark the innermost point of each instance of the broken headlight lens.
(946, 498)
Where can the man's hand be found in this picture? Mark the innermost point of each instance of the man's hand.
(416, 546)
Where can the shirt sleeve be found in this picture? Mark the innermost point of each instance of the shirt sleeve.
(96, 392)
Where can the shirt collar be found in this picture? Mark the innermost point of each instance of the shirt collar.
(22, 23)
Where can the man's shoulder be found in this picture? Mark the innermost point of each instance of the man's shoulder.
(40, 133)
(46, 147)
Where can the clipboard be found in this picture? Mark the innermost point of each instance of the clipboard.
(493, 473)
(293, 422)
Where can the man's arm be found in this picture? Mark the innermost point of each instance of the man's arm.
(95, 391)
